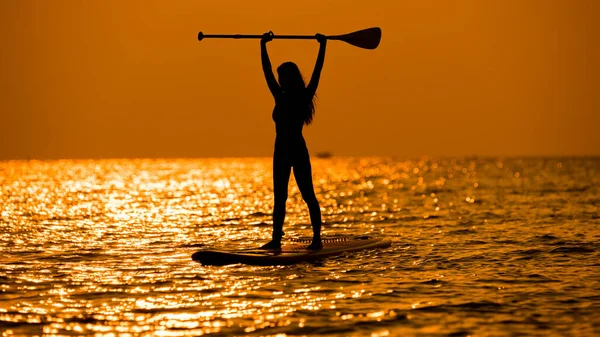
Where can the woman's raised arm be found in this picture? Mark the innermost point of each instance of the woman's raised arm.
(266, 64)
(316, 75)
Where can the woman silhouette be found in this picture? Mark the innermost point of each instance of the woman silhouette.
(294, 107)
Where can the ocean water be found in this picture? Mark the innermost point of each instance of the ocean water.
(481, 247)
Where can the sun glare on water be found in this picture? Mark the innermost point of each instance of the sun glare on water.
(103, 247)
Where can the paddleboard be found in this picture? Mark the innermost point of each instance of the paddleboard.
(292, 251)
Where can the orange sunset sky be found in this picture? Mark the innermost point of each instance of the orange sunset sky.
(118, 79)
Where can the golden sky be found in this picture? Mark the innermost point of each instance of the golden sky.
(114, 79)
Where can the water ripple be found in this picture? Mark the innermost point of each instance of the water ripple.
(481, 246)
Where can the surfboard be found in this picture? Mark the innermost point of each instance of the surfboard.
(292, 251)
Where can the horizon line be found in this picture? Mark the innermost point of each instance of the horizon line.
(404, 157)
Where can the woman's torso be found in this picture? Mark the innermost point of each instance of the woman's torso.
(288, 116)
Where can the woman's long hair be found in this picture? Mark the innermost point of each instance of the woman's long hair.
(292, 83)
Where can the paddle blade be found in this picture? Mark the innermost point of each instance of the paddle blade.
(367, 38)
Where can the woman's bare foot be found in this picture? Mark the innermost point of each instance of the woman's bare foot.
(273, 244)
(315, 245)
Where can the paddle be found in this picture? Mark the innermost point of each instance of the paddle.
(367, 38)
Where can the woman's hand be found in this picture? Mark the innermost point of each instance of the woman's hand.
(321, 38)
(267, 37)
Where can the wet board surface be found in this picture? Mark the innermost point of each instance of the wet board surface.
(293, 251)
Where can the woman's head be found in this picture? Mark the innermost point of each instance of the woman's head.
(290, 78)
(292, 83)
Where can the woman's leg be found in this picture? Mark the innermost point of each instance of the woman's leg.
(303, 175)
(281, 178)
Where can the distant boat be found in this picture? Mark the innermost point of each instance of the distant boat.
(324, 154)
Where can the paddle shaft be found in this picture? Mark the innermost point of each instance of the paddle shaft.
(243, 36)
